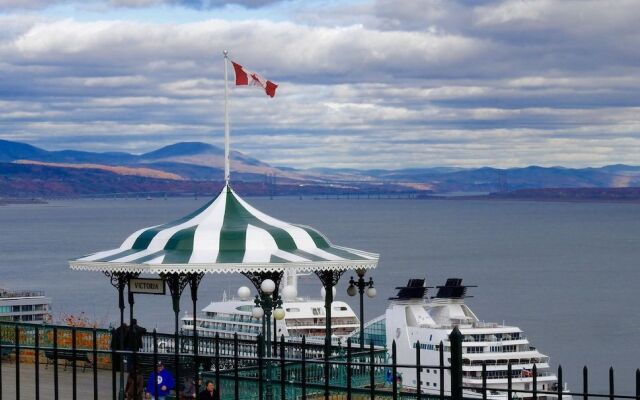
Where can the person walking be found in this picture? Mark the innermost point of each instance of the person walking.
(164, 380)
(118, 342)
(189, 388)
(135, 386)
(135, 335)
(133, 342)
(209, 393)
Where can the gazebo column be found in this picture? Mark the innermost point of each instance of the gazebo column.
(130, 296)
(194, 283)
(119, 280)
(176, 283)
(267, 301)
(329, 279)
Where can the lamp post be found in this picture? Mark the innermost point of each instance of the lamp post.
(266, 304)
(359, 286)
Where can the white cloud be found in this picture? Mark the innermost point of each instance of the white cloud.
(391, 84)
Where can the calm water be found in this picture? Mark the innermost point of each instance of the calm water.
(566, 273)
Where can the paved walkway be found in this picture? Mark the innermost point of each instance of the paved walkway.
(84, 384)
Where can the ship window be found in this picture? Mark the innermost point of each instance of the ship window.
(293, 309)
(340, 308)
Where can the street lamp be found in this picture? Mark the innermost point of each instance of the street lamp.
(359, 286)
(266, 304)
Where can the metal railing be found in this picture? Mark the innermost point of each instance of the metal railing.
(241, 369)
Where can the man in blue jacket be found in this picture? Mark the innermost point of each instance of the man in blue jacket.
(164, 381)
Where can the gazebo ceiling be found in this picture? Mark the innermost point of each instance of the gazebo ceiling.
(226, 235)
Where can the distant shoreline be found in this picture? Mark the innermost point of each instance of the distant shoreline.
(630, 195)
(12, 201)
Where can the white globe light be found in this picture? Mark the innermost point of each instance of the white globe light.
(278, 314)
(257, 312)
(268, 286)
(244, 293)
(323, 292)
(372, 292)
(289, 292)
(352, 290)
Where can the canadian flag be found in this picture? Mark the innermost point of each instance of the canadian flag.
(245, 77)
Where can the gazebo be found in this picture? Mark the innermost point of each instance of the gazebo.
(226, 235)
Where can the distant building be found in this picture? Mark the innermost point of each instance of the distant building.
(24, 306)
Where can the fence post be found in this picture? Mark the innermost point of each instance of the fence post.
(283, 376)
(74, 367)
(55, 363)
(455, 341)
(1, 347)
(559, 389)
(509, 381)
(348, 369)
(36, 360)
(114, 360)
(236, 383)
(441, 356)
(17, 344)
(585, 383)
(484, 382)
(154, 372)
(217, 360)
(638, 384)
(304, 367)
(534, 372)
(260, 339)
(94, 340)
(394, 371)
(611, 386)
(418, 372)
(372, 378)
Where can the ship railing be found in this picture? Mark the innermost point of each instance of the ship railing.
(21, 293)
(334, 323)
(249, 369)
(245, 319)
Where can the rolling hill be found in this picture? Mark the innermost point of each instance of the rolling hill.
(26, 170)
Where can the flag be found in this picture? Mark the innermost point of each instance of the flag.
(245, 77)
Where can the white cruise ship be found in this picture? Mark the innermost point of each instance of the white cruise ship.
(303, 317)
(412, 318)
(24, 306)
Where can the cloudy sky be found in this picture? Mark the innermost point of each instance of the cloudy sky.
(363, 83)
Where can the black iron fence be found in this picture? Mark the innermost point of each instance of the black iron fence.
(60, 362)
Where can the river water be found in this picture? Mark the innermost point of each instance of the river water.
(566, 273)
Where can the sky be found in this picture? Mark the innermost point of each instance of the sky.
(362, 83)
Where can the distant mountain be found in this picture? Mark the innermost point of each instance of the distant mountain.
(190, 160)
(10, 151)
(182, 149)
(32, 168)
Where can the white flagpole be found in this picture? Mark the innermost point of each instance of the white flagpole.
(226, 118)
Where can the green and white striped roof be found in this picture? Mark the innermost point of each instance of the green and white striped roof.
(226, 235)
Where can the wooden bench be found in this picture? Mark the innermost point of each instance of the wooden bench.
(68, 357)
